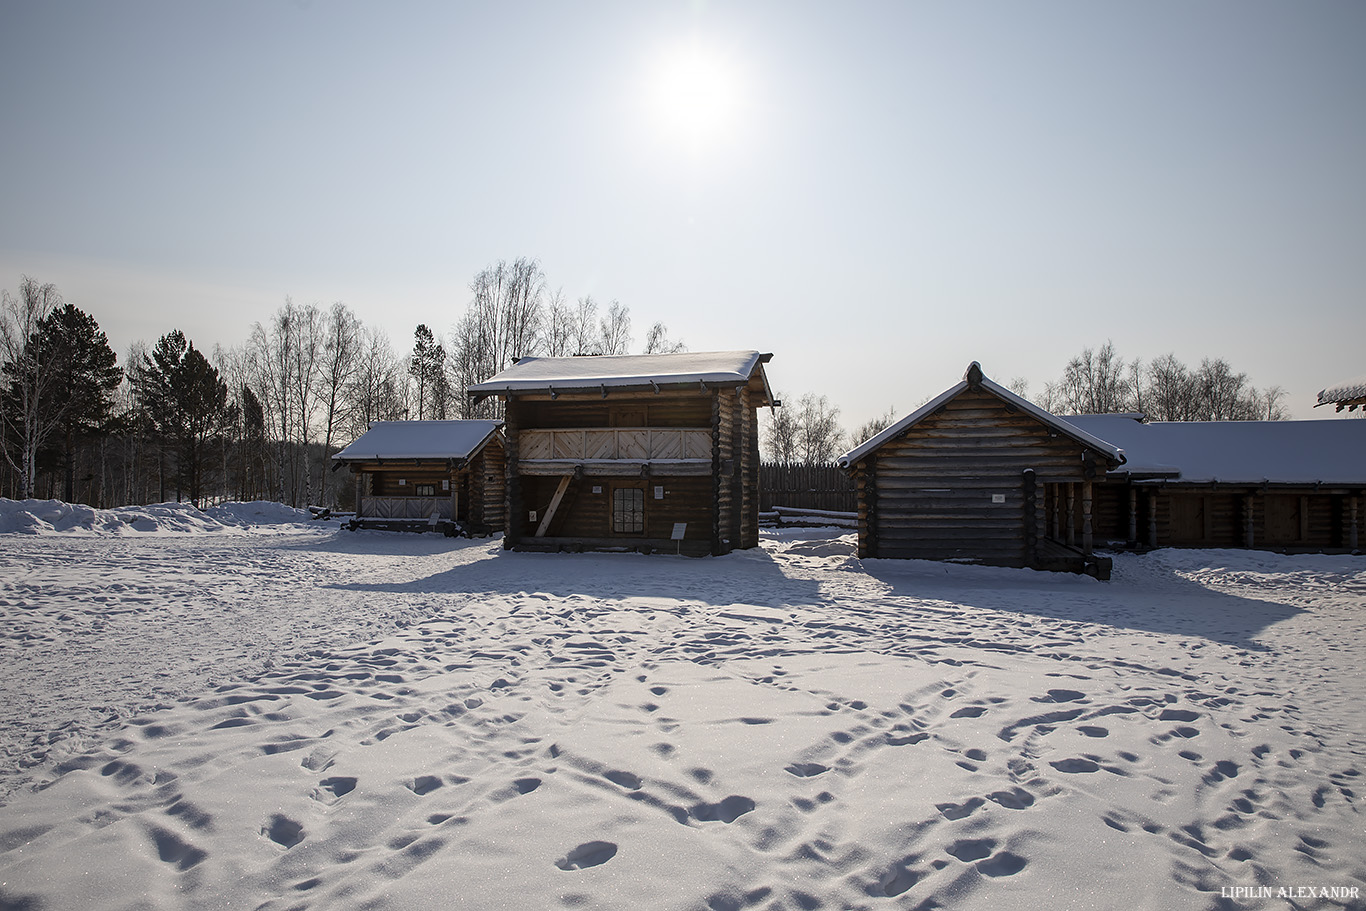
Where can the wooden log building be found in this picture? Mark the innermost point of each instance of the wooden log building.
(1292, 486)
(633, 452)
(418, 475)
(980, 475)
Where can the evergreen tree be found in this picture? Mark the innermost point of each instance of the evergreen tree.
(428, 368)
(188, 404)
(87, 379)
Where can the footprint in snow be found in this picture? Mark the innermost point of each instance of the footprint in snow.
(628, 780)
(1075, 765)
(423, 784)
(727, 811)
(1060, 696)
(1003, 864)
(970, 849)
(283, 831)
(588, 854)
(1014, 799)
(960, 810)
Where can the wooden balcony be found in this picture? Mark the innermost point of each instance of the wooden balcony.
(414, 509)
(610, 450)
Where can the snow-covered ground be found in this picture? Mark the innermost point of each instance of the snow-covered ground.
(221, 713)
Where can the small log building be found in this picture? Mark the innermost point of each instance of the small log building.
(980, 475)
(417, 475)
(634, 452)
(1293, 486)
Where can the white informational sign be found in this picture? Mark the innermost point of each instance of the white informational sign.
(402, 482)
(659, 493)
(597, 488)
(446, 484)
(679, 529)
(998, 498)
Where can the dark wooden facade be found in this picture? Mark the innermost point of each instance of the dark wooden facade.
(454, 494)
(1302, 490)
(647, 465)
(1292, 518)
(979, 475)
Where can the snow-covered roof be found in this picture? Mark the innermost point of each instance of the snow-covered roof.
(1236, 452)
(974, 376)
(1350, 391)
(419, 440)
(547, 374)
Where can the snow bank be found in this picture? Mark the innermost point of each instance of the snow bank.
(45, 517)
(258, 512)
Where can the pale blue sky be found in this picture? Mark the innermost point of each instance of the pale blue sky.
(892, 190)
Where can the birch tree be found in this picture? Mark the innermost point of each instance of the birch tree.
(657, 341)
(340, 361)
(30, 374)
(615, 330)
(503, 322)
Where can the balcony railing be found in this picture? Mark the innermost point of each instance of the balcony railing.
(417, 508)
(616, 443)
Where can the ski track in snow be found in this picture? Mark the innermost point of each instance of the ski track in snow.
(378, 721)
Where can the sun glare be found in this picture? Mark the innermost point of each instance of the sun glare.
(695, 96)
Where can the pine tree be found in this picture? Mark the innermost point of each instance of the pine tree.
(88, 376)
(188, 404)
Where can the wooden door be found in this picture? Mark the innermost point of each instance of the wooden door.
(1282, 519)
(1187, 519)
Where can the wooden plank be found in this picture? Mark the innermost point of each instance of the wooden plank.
(600, 444)
(554, 505)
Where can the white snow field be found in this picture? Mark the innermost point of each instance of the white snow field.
(211, 714)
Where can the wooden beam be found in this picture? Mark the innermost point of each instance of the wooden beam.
(1352, 528)
(1071, 515)
(1133, 516)
(554, 505)
(1086, 536)
(1152, 518)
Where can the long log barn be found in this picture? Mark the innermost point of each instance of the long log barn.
(974, 475)
(633, 452)
(1291, 486)
(444, 476)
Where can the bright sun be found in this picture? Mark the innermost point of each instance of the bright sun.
(695, 95)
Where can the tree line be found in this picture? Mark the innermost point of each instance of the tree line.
(1096, 381)
(261, 420)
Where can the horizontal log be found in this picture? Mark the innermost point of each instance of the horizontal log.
(616, 468)
(986, 531)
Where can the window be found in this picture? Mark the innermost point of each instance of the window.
(426, 490)
(628, 511)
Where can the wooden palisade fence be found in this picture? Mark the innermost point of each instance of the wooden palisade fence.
(807, 486)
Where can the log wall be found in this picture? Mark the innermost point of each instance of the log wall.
(585, 511)
(934, 486)
(1173, 515)
(720, 507)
